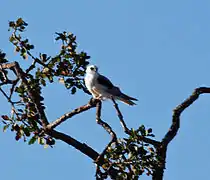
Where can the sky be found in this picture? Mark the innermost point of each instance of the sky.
(156, 51)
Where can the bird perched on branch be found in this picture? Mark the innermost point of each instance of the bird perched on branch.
(102, 88)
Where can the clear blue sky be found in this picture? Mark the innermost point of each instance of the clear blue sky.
(157, 51)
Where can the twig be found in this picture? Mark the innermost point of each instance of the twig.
(13, 106)
(13, 87)
(127, 131)
(120, 116)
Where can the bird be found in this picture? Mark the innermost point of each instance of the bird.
(102, 88)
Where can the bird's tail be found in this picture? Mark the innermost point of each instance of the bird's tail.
(127, 99)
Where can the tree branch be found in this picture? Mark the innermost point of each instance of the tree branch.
(177, 112)
(127, 131)
(172, 132)
(21, 75)
(82, 147)
(89, 105)
(107, 128)
(120, 116)
(36, 101)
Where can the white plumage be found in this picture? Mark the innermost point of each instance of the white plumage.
(102, 88)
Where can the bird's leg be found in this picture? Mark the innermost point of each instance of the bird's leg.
(100, 97)
(97, 95)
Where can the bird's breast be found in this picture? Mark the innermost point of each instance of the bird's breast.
(90, 81)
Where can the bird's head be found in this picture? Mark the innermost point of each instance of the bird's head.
(91, 69)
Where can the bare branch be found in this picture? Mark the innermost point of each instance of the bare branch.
(107, 128)
(177, 112)
(91, 104)
(84, 148)
(102, 123)
(172, 132)
(120, 116)
(7, 65)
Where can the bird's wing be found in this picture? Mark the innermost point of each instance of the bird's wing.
(113, 90)
(104, 81)
(117, 94)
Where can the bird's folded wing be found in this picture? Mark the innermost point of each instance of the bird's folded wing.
(104, 81)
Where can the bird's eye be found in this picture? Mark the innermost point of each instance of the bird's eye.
(92, 68)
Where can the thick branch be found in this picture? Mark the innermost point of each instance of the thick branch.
(36, 102)
(82, 147)
(21, 75)
(7, 65)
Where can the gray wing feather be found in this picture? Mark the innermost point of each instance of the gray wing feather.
(115, 91)
(104, 81)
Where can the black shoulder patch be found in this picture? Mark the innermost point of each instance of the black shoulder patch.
(105, 81)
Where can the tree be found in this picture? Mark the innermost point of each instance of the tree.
(128, 158)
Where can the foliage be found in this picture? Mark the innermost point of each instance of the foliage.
(67, 67)
(130, 157)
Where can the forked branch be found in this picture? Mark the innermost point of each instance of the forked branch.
(172, 132)
(177, 113)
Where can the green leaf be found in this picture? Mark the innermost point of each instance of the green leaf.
(12, 24)
(43, 82)
(20, 22)
(5, 127)
(20, 89)
(73, 90)
(32, 140)
(41, 140)
(17, 137)
(149, 130)
(5, 117)
(26, 132)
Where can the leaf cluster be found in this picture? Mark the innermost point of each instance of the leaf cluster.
(67, 67)
(131, 156)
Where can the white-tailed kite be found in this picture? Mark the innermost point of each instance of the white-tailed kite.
(102, 88)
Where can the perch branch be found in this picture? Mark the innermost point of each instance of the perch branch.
(89, 105)
(107, 128)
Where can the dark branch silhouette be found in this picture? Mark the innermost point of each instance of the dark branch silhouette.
(172, 132)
